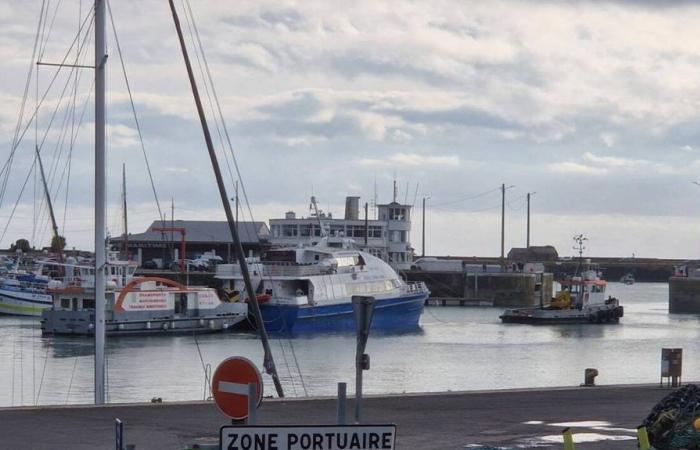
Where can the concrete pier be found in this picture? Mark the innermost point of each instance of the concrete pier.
(507, 418)
(684, 295)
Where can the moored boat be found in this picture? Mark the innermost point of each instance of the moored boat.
(581, 300)
(310, 289)
(148, 305)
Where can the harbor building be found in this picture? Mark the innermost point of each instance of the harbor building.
(387, 236)
(163, 240)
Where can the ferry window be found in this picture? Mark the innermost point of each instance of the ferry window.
(289, 230)
(65, 303)
(337, 230)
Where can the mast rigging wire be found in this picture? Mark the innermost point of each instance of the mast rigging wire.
(230, 148)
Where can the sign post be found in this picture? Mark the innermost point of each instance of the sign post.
(363, 307)
(237, 387)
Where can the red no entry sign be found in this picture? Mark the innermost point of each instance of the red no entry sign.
(230, 386)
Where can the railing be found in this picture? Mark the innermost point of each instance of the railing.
(257, 269)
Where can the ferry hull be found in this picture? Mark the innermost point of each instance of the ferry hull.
(19, 303)
(391, 315)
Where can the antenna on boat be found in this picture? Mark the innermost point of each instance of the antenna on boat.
(100, 260)
(579, 246)
(268, 361)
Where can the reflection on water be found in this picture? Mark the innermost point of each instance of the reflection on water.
(456, 349)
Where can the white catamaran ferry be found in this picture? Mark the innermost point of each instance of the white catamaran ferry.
(309, 289)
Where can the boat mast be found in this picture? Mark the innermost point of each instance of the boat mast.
(125, 241)
(48, 202)
(268, 360)
(100, 62)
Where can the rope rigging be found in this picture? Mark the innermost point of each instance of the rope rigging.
(213, 99)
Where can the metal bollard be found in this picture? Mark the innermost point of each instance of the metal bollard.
(342, 403)
(252, 403)
(119, 434)
(643, 438)
(568, 439)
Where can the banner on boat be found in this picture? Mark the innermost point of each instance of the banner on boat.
(301, 437)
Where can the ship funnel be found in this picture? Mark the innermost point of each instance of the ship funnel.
(352, 207)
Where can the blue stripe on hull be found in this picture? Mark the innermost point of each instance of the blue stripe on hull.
(396, 314)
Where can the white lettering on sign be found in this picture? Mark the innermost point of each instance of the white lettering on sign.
(334, 437)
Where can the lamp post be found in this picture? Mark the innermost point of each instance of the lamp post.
(528, 217)
(503, 222)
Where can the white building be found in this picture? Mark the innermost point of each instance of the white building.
(387, 237)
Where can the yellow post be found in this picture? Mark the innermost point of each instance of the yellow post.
(568, 439)
(643, 438)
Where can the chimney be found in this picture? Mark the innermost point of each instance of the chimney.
(352, 208)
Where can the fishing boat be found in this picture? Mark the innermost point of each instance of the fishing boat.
(309, 289)
(581, 300)
(145, 305)
(627, 279)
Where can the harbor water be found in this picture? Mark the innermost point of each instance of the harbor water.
(456, 349)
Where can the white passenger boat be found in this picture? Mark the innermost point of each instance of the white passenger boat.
(581, 300)
(310, 289)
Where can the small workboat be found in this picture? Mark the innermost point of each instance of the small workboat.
(581, 300)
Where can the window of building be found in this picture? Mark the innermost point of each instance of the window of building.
(306, 229)
(397, 213)
(275, 230)
(289, 230)
(337, 230)
(65, 303)
(89, 303)
(357, 231)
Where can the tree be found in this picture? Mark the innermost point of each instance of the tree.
(58, 243)
(22, 245)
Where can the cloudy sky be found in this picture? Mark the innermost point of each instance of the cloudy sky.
(592, 105)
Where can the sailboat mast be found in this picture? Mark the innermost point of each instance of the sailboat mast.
(48, 202)
(268, 361)
(100, 260)
(125, 241)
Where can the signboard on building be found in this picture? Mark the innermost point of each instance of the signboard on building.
(302, 437)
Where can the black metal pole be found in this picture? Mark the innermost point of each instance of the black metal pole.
(366, 224)
(528, 220)
(268, 361)
(503, 223)
(423, 246)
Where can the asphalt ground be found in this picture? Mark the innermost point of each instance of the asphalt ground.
(601, 418)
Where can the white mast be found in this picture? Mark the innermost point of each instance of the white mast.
(100, 61)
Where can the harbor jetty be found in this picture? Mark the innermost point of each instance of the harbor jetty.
(605, 415)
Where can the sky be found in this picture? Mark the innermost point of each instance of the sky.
(591, 105)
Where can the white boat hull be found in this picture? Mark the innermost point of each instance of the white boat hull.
(23, 303)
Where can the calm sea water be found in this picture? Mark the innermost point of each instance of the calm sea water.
(457, 349)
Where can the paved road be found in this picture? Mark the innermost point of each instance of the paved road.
(430, 421)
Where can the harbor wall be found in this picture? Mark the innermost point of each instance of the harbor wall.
(497, 289)
(684, 295)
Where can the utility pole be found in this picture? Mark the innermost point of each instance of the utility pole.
(503, 223)
(125, 241)
(366, 225)
(528, 217)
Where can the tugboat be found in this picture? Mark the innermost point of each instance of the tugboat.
(581, 300)
(627, 279)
